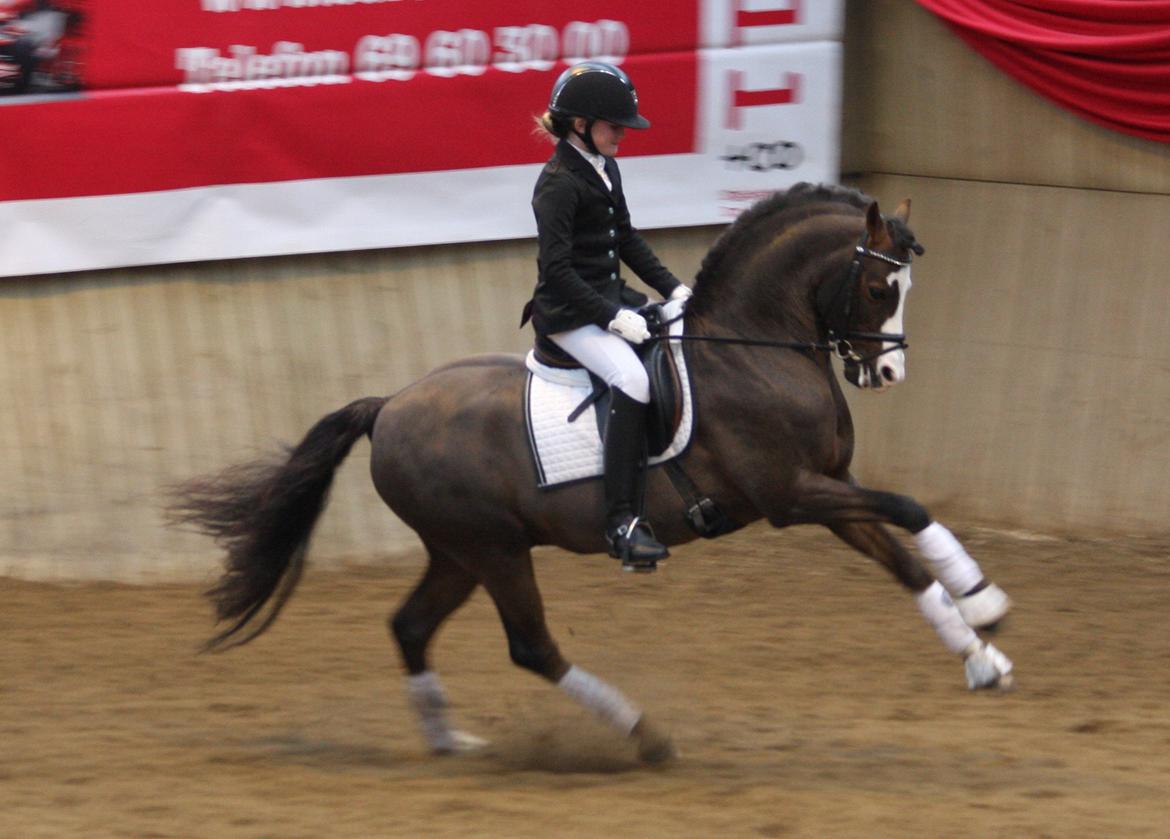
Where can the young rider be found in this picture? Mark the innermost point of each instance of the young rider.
(581, 303)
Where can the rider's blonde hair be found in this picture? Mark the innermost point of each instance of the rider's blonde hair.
(553, 127)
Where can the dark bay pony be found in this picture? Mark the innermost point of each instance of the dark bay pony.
(816, 266)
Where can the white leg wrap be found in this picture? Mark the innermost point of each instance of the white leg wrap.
(429, 701)
(941, 613)
(949, 561)
(602, 699)
(987, 667)
(984, 607)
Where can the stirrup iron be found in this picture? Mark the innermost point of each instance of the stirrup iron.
(634, 543)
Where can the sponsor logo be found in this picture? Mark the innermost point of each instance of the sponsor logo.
(764, 157)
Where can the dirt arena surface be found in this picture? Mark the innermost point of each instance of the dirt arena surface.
(804, 692)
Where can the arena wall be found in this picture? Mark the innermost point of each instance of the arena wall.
(1037, 388)
(120, 383)
(1038, 325)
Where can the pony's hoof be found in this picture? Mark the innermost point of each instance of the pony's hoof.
(987, 668)
(460, 743)
(654, 747)
(985, 609)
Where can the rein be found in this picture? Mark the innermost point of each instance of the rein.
(838, 302)
(841, 347)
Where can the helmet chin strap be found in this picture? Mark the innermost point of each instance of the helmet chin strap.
(587, 136)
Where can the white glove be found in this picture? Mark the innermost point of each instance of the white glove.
(681, 293)
(629, 325)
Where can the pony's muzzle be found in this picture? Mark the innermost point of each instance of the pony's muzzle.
(892, 374)
(890, 369)
(887, 370)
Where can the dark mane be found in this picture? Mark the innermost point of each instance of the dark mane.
(749, 225)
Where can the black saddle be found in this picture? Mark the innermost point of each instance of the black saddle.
(664, 413)
(662, 418)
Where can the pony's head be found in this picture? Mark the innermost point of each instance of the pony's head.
(816, 262)
(864, 309)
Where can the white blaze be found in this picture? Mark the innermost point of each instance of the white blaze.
(891, 366)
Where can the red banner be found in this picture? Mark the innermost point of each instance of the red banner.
(158, 138)
(140, 44)
(200, 97)
(196, 129)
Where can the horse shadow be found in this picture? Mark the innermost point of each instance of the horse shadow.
(547, 751)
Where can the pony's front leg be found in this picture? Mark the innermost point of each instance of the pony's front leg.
(856, 515)
(981, 602)
(986, 666)
(826, 500)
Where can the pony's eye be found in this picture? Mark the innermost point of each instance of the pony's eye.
(878, 292)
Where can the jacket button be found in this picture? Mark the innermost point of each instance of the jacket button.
(611, 233)
(611, 254)
(613, 275)
(610, 210)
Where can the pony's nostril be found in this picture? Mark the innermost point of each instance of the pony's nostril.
(888, 373)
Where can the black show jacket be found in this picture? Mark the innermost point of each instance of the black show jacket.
(584, 234)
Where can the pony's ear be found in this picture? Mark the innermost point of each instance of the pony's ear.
(875, 225)
(902, 214)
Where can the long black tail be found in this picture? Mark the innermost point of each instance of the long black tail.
(263, 513)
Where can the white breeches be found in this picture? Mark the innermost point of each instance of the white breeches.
(608, 357)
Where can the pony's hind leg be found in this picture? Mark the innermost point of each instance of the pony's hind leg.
(444, 587)
(511, 583)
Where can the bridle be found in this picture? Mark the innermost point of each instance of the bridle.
(836, 301)
(835, 305)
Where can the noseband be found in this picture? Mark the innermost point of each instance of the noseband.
(836, 302)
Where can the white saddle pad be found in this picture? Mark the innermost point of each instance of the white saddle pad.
(571, 451)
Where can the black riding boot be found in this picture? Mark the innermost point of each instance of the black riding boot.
(630, 538)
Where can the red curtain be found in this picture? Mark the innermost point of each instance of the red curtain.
(1107, 60)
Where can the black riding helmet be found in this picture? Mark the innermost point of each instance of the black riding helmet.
(595, 90)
